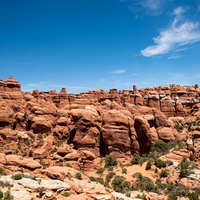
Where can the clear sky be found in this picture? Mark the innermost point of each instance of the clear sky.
(87, 44)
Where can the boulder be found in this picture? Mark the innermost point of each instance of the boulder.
(23, 162)
(166, 134)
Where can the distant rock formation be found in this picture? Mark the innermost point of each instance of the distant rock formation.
(116, 123)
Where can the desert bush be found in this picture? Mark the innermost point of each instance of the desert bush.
(16, 176)
(159, 185)
(117, 184)
(172, 196)
(163, 174)
(139, 197)
(148, 166)
(135, 160)
(193, 196)
(8, 196)
(59, 143)
(110, 169)
(24, 154)
(179, 128)
(159, 163)
(124, 171)
(40, 136)
(52, 151)
(68, 165)
(43, 164)
(145, 183)
(137, 175)
(160, 146)
(110, 175)
(184, 167)
(100, 170)
(99, 180)
(2, 172)
(66, 194)
(110, 161)
(78, 175)
(1, 194)
(41, 190)
(30, 153)
(170, 163)
(120, 185)
(191, 157)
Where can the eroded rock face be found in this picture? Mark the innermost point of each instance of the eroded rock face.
(87, 126)
(143, 134)
(97, 121)
(116, 133)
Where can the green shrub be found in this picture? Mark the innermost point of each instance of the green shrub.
(52, 151)
(5, 184)
(172, 196)
(138, 175)
(159, 185)
(191, 157)
(59, 143)
(28, 143)
(110, 161)
(184, 167)
(41, 190)
(8, 196)
(170, 163)
(1, 194)
(179, 128)
(145, 183)
(160, 146)
(139, 197)
(193, 196)
(148, 166)
(100, 170)
(135, 160)
(98, 180)
(78, 175)
(110, 169)
(156, 170)
(40, 136)
(110, 175)
(24, 154)
(189, 129)
(171, 187)
(128, 194)
(163, 174)
(30, 153)
(117, 184)
(2, 172)
(15, 139)
(159, 163)
(43, 165)
(66, 194)
(124, 171)
(16, 176)
(68, 165)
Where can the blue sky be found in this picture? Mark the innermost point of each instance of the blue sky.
(86, 44)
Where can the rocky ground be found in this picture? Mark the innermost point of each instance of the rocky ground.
(140, 144)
